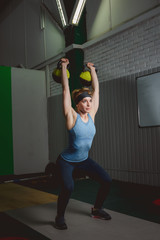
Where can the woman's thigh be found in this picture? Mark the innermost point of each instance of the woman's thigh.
(94, 170)
(65, 170)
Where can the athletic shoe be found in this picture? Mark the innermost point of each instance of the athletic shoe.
(101, 214)
(60, 223)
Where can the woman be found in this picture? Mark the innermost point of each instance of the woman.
(81, 129)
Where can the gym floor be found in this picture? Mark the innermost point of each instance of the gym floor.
(128, 198)
(135, 211)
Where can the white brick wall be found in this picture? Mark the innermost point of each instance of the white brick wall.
(131, 51)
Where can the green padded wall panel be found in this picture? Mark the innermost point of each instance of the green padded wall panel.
(6, 142)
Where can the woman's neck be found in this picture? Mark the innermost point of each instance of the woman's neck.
(84, 116)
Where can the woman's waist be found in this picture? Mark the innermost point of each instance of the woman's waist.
(75, 155)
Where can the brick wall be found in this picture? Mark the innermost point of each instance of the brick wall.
(131, 51)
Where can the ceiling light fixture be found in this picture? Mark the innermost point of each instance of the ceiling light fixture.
(62, 12)
(77, 11)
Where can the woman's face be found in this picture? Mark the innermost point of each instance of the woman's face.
(85, 105)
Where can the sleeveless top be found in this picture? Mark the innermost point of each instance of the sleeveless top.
(80, 140)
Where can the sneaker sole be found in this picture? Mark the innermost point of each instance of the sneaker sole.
(98, 217)
(60, 228)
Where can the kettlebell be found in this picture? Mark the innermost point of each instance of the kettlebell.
(85, 76)
(57, 72)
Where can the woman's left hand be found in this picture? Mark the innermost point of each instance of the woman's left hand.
(90, 65)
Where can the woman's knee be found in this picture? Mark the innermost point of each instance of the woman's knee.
(69, 187)
(106, 180)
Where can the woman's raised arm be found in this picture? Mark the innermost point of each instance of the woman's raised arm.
(95, 88)
(65, 87)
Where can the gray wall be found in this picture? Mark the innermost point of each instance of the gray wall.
(106, 15)
(127, 152)
(29, 121)
(28, 35)
(132, 153)
(56, 127)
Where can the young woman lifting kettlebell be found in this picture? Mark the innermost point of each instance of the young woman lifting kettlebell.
(81, 130)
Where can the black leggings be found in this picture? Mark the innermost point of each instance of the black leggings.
(91, 169)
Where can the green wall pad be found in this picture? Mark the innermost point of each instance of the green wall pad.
(6, 142)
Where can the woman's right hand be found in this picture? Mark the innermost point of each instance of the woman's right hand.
(64, 62)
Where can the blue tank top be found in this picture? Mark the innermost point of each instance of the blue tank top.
(80, 140)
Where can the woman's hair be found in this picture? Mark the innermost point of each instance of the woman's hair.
(77, 92)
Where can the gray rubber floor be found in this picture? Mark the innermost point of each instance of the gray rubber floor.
(82, 227)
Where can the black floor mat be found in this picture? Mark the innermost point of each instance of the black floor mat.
(12, 229)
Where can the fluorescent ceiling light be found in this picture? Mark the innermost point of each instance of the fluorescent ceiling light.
(77, 11)
(62, 12)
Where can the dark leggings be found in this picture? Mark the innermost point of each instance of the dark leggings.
(90, 169)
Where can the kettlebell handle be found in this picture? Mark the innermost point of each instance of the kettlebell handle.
(85, 65)
(59, 66)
